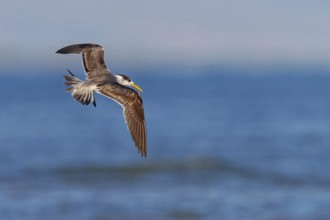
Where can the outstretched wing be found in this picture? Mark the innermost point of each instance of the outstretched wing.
(132, 104)
(93, 59)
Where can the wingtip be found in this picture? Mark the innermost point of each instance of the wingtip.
(77, 48)
(143, 154)
(60, 51)
(142, 151)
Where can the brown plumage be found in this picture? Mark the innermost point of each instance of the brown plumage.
(99, 79)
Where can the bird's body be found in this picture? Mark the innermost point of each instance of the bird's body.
(99, 79)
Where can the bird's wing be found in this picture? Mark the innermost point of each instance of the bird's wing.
(93, 59)
(132, 105)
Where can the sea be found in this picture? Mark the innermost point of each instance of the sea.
(222, 144)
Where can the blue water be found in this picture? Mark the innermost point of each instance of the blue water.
(221, 146)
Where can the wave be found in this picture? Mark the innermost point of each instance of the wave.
(198, 166)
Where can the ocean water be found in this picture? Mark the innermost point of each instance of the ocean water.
(221, 146)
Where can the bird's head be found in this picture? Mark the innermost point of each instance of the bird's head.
(126, 81)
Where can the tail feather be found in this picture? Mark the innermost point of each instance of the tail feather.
(79, 90)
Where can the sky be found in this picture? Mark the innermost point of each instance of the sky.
(180, 32)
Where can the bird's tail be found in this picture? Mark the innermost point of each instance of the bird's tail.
(80, 91)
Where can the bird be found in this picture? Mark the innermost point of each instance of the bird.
(118, 87)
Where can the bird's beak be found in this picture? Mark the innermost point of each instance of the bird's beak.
(137, 87)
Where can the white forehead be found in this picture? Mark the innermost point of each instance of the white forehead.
(119, 77)
(121, 80)
(123, 77)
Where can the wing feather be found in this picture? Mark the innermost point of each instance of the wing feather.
(93, 60)
(133, 112)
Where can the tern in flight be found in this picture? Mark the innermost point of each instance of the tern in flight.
(99, 79)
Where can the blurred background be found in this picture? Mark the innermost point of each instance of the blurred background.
(236, 97)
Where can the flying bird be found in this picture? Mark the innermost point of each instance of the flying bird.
(117, 87)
